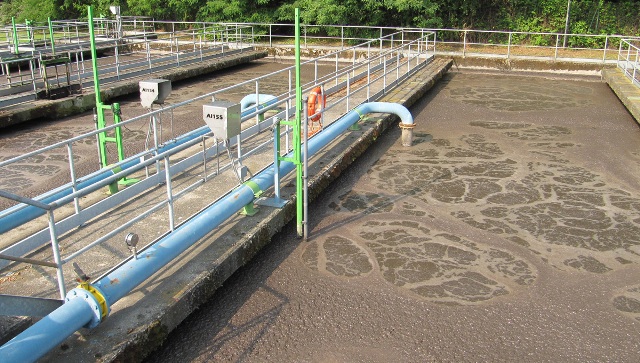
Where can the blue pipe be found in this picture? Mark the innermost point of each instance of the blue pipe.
(19, 214)
(58, 325)
(55, 328)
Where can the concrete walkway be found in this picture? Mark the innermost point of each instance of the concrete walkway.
(626, 91)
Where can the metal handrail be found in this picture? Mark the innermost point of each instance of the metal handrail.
(629, 60)
(391, 66)
(464, 42)
(163, 49)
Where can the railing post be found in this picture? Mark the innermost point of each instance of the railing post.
(397, 66)
(555, 55)
(74, 180)
(635, 67)
(117, 61)
(384, 76)
(348, 92)
(368, 81)
(626, 65)
(53, 43)
(408, 58)
(336, 68)
(604, 53)
(434, 43)
(315, 71)
(167, 174)
(259, 116)
(148, 46)
(16, 42)
(55, 247)
(33, 77)
(619, 52)
(509, 46)
(464, 44)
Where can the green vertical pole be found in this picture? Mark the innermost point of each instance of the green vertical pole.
(96, 87)
(27, 24)
(53, 43)
(16, 43)
(94, 59)
(100, 122)
(116, 119)
(297, 143)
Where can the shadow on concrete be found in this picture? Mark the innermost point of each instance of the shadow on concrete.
(217, 328)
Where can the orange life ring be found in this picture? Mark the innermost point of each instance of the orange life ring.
(315, 97)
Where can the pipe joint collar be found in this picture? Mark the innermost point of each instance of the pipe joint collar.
(94, 298)
(255, 188)
(406, 126)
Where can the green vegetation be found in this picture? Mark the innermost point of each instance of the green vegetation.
(587, 16)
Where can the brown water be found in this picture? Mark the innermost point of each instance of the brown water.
(509, 232)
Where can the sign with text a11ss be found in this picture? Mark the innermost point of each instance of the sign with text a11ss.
(223, 118)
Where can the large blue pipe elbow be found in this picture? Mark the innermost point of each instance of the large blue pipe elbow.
(259, 99)
(387, 107)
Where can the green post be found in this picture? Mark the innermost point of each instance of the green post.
(94, 60)
(96, 87)
(297, 142)
(100, 123)
(27, 24)
(117, 117)
(16, 43)
(53, 43)
(102, 137)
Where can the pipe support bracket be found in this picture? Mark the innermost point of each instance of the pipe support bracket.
(249, 210)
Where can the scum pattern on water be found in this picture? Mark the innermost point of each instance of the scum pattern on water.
(542, 201)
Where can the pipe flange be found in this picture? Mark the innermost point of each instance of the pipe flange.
(79, 293)
(99, 296)
(406, 126)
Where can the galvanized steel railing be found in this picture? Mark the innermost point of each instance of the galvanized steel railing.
(629, 59)
(178, 41)
(463, 42)
(368, 75)
(135, 53)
